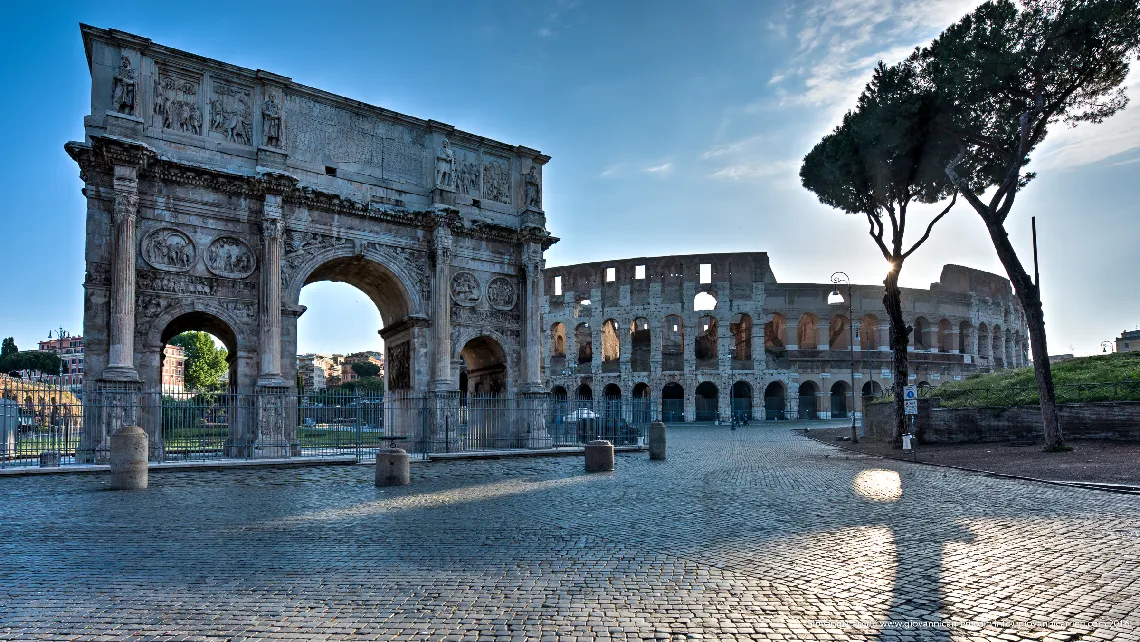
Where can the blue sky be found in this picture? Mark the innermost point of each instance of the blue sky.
(674, 127)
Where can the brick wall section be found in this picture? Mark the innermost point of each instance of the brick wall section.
(1118, 421)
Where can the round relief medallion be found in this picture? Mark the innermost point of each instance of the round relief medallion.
(501, 293)
(169, 249)
(230, 257)
(465, 289)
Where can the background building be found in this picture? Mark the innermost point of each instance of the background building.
(1128, 341)
(70, 350)
(713, 334)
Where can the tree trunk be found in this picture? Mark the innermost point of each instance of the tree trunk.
(1030, 297)
(900, 337)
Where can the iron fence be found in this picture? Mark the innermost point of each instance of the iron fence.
(47, 426)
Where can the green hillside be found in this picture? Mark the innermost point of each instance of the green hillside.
(1109, 377)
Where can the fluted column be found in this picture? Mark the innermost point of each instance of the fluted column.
(441, 310)
(271, 232)
(121, 355)
(532, 323)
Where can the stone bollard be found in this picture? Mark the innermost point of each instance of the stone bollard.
(657, 440)
(393, 467)
(599, 456)
(128, 458)
(50, 459)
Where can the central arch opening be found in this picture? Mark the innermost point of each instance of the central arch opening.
(707, 402)
(672, 403)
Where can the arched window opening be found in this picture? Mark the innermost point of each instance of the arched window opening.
(840, 400)
(869, 333)
(704, 347)
(707, 402)
(704, 301)
(945, 338)
(199, 354)
(775, 404)
(838, 333)
(584, 395)
(808, 332)
(639, 345)
(921, 332)
(558, 340)
(742, 400)
(673, 344)
(641, 405)
(672, 403)
(611, 348)
(741, 329)
(774, 333)
(809, 400)
(585, 342)
(996, 347)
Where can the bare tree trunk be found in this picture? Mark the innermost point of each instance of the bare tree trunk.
(900, 337)
(1030, 297)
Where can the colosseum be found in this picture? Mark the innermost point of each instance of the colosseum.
(706, 336)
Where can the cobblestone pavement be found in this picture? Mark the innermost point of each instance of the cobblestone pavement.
(749, 535)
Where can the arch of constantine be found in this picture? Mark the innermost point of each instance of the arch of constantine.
(215, 193)
(712, 334)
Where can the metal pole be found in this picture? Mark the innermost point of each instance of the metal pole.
(851, 349)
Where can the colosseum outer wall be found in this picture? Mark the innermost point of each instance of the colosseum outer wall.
(633, 327)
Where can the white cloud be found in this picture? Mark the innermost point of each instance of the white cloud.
(782, 170)
(662, 169)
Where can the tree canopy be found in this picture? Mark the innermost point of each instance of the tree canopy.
(365, 369)
(34, 360)
(206, 363)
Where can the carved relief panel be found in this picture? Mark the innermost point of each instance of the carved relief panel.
(466, 289)
(404, 150)
(497, 179)
(467, 172)
(231, 112)
(176, 104)
(230, 257)
(501, 293)
(168, 249)
(399, 366)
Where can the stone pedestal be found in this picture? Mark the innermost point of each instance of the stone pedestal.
(272, 441)
(657, 441)
(393, 467)
(50, 459)
(128, 458)
(599, 456)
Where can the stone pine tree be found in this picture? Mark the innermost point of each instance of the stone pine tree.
(885, 156)
(205, 362)
(1002, 76)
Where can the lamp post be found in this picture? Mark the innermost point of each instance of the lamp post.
(835, 298)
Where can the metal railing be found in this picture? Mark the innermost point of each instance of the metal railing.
(43, 425)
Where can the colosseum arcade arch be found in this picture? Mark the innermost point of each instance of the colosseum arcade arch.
(441, 228)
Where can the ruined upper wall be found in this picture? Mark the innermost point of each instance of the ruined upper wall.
(737, 268)
(202, 111)
(958, 278)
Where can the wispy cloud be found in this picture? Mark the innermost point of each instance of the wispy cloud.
(661, 169)
(783, 171)
(1084, 144)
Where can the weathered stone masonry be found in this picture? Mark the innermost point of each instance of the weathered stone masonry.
(215, 193)
(765, 343)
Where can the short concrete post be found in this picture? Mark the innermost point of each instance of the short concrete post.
(128, 458)
(393, 467)
(599, 456)
(657, 441)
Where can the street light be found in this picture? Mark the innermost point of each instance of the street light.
(835, 298)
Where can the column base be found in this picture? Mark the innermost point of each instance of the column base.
(120, 373)
(271, 381)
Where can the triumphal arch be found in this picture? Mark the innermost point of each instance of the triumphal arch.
(215, 193)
